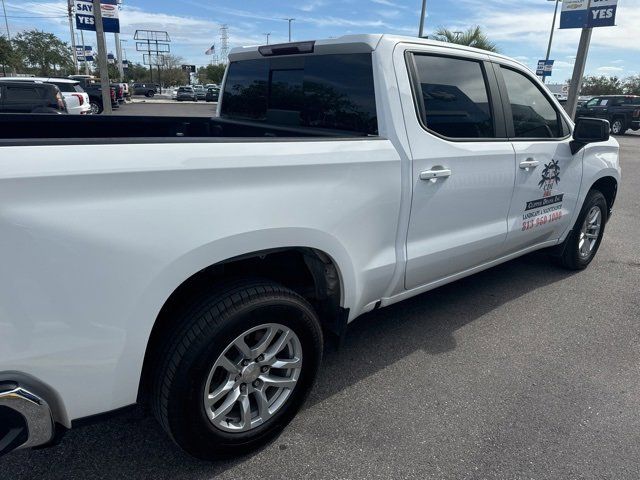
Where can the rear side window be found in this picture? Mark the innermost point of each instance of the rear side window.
(533, 114)
(66, 87)
(334, 92)
(455, 97)
(22, 94)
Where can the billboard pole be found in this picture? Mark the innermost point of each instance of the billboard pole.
(578, 71)
(102, 59)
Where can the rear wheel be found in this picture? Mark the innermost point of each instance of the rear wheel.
(238, 369)
(618, 126)
(582, 244)
(96, 107)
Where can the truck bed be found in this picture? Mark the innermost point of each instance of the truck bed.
(42, 128)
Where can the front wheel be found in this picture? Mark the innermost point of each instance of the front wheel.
(238, 370)
(582, 244)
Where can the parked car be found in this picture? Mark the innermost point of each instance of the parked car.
(94, 89)
(31, 97)
(187, 93)
(196, 264)
(212, 94)
(622, 111)
(174, 94)
(201, 93)
(75, 98)
(146, 89)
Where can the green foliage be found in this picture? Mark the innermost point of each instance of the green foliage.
(43, 53)
(602, 85)
(211, 73)
(9, 59)
(471, 37)
(632, 85)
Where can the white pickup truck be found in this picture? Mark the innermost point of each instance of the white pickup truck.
(195, 264)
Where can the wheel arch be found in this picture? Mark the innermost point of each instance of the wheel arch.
(320, 271)
(608, 186)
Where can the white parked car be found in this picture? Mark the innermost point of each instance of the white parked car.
(75, 97)
(195, 264)
(174, 93)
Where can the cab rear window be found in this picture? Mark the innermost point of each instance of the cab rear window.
(334, 92)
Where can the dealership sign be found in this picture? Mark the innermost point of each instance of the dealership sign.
(545, 67)
(84, 54)
(86, 21)
(588, 13)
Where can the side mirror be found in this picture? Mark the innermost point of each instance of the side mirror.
(589, 130)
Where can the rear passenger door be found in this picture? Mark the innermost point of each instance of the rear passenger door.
(548, 175)
(462, 166)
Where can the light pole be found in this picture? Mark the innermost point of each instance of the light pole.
(423, 12)
(267, 35)
(289, 20)
(73, 37)
(553, 27)
(6, 21)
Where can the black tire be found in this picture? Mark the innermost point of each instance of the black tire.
(150, 94)
(618, 126)
(569, 256)
(96, 107)
(205, 330)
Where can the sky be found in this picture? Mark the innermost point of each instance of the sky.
(520, 28)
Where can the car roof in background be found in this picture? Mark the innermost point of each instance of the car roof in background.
(40, 79)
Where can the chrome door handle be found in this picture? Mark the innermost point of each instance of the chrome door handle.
(435, 173)
(529, 163)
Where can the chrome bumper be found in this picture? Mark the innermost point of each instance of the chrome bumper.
(36, 414)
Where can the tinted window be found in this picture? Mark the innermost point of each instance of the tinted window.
(22, 94)
(454, 92)
(533, 114)
(66, 87)
(322, 91)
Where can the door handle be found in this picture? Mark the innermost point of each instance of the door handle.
(435, 173)
(529, 163)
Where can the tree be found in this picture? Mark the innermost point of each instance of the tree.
(43, 53)
(212, 73)
(9, 58)
(632, 85)
(471, 37)
(601, 85)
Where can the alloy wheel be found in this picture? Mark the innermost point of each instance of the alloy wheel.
(590, 232)
(253, 378)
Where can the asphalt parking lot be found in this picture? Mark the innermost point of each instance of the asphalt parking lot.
(524, 371)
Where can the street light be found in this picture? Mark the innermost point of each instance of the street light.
(267, 35)
(289, 20)
(553, 27)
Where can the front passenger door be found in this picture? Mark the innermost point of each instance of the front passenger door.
(548, 175)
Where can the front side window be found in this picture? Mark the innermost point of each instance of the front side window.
(533, 114)
(333, 92)
(455, 97)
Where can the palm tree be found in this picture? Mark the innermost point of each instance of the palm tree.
(471, 37)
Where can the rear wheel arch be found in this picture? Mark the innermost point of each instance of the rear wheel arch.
(310, 272)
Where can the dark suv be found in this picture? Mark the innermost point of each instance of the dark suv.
(146, 89)
(622, 111)
(22, 97)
